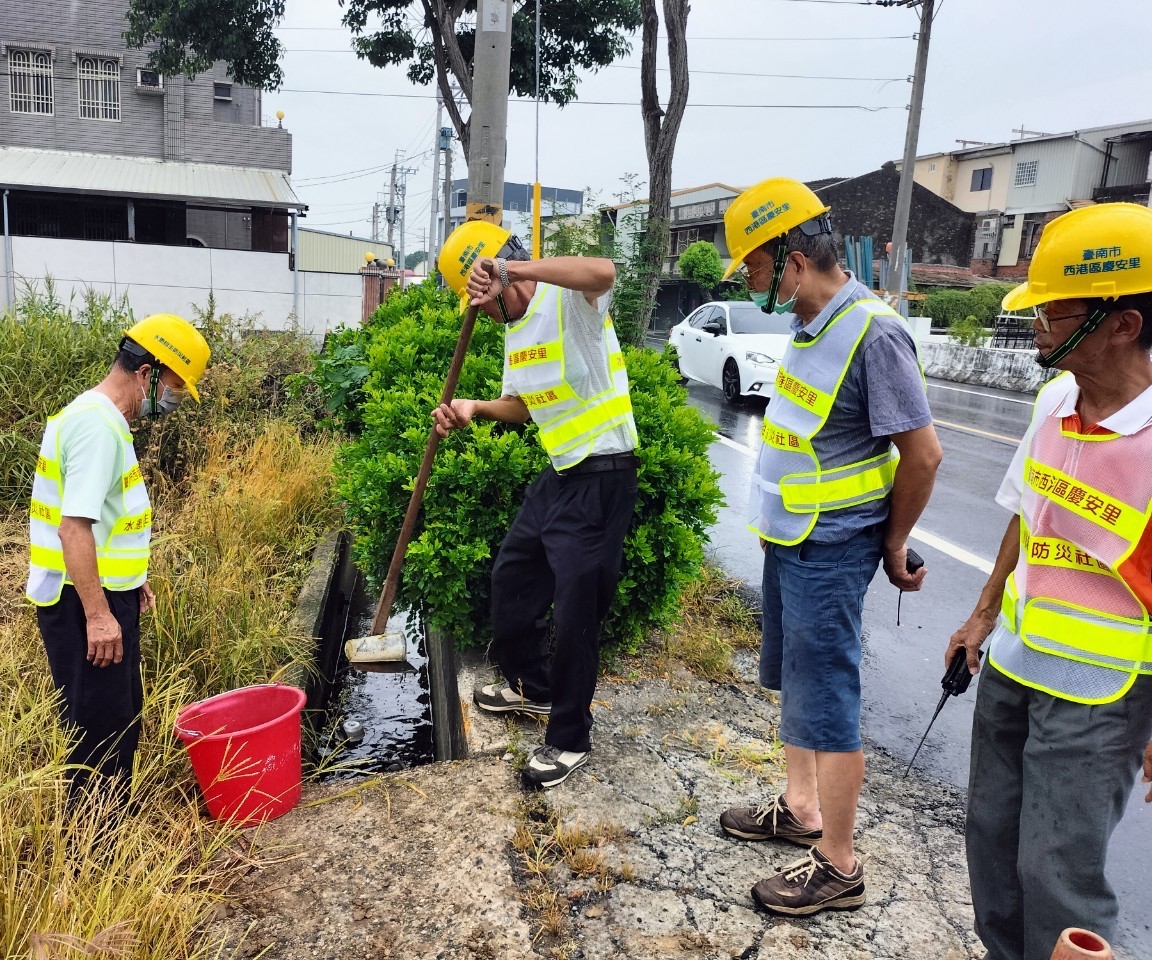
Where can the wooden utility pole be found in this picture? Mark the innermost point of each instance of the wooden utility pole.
(896, 287)
(489, 122)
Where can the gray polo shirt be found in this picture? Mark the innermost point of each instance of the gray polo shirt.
(882, 394)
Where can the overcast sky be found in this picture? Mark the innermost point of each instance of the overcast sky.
(994, 65)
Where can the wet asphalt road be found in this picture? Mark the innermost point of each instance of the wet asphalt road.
(958, 536)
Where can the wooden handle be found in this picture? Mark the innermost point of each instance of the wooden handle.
(392, 580)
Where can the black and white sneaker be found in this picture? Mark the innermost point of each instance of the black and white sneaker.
(501, 698)
(548, 766)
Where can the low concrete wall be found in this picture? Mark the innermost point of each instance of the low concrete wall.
(986, 366)
(160, 279)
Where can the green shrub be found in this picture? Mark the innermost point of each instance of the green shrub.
(981, 301)
(480, 474)
(970, 332)
(700, 262)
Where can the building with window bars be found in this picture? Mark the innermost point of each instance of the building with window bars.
(71, 88)
(115, 177)
(1014, 188)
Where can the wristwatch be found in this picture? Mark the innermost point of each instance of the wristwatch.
(502, 270)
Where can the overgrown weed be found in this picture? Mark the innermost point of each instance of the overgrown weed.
(241, 487)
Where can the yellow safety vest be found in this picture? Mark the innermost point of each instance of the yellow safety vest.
(122, 556)
(791, 487)
(1074, 620)
(570, 412)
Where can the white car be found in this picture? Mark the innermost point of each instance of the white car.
(733, 345)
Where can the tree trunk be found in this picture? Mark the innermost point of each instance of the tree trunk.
(440, 18)
(661, 128)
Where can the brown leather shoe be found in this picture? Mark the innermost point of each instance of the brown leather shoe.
(769, 821)
(809, 885)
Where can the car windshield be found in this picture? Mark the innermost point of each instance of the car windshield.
(749, 318)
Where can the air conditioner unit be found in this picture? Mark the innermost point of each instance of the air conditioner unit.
(149, 81)
(988, 225)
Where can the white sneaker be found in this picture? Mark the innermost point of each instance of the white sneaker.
(501, 698)
(548, 766)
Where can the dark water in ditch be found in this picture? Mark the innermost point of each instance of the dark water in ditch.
(376, 721)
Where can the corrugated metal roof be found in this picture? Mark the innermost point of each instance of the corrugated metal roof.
(92, 173)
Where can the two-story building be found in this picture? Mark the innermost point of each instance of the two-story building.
(118, 179)
(1013, 189)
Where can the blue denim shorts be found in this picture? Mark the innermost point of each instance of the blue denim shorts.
(810, 652)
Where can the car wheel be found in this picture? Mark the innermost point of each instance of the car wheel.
(730, 382)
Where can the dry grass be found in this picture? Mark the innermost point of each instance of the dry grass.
(228, 559)
(544, 847)
(714, 622)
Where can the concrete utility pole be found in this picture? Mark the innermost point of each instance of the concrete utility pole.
(896, 287)
(446, 139)
(375, 222)
(431, 244)
(390, 213)
(401, 190)
(489, 141)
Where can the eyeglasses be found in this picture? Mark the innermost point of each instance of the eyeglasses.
(1047, 321)
(749, 274)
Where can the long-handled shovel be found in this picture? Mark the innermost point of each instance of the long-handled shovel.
(380, 646)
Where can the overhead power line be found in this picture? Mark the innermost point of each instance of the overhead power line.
(742, 73)
(623, 103)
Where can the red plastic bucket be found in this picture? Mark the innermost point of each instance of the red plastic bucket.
(245, 749)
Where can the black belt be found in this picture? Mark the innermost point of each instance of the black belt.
(598, 464)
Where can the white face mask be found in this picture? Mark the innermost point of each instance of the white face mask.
(169, 400)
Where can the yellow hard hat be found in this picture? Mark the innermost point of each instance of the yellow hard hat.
(764, 212)
(470, 240)
(175, 343)
(1103, 251)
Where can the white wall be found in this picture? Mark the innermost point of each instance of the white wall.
(173, 279)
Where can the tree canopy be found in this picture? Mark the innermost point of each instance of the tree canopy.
(191, 35)
(700, 262)
(433, 39)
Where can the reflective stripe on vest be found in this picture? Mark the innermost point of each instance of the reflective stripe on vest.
(790, 488)
(568, 415)
(1074, 621)
(121, 554)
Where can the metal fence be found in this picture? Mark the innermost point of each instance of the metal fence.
(1013, 338)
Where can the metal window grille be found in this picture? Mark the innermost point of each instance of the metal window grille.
(30, 74)
(1026, 173)
(99, 88)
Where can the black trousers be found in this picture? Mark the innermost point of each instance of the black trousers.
(562, 553)
(101, 704)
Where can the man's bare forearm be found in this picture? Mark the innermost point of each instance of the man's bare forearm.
(79, 548)
(507, 409)
(591, 276)
(1006, 559)
(920, 456)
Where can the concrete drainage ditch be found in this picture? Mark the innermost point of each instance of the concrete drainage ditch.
(371, 721)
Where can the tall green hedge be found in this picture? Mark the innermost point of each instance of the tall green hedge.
(981, 301)
(480, 473)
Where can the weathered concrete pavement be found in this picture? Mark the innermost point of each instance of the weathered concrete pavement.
(428, 867)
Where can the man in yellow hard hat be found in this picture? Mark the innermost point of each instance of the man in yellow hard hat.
(1063, 718)
(830, 501)
(564, 369)
(90, 526)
